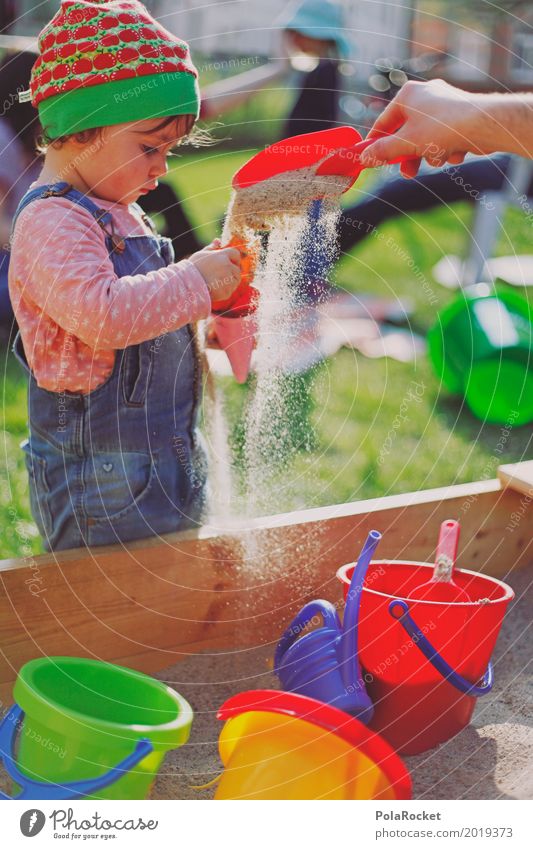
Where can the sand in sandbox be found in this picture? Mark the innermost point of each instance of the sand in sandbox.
(490, 759)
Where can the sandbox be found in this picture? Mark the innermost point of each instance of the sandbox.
(203, 611)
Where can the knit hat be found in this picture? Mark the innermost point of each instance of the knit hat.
(105, 62)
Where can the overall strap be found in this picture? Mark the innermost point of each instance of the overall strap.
(145, 217)
(102, 216)
(62, 189)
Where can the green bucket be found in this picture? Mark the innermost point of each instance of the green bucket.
(482, 347)
(83, 717)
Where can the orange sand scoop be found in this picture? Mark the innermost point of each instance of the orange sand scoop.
(240, 297)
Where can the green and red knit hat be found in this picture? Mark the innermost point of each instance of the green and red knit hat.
(105, 62)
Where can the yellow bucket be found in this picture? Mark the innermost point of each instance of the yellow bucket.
(277, 745)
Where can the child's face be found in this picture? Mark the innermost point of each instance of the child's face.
(127, 159)
(318, 47)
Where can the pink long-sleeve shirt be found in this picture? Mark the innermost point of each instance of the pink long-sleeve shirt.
(73, 311)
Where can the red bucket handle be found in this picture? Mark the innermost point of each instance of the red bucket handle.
(399, 610)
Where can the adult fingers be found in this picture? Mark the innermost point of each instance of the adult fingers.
(456, 158)
(410, 168)
(390, 120)
(436, 160)
(387, 150)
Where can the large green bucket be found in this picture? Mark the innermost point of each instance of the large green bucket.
(482, 347)
(83, 717)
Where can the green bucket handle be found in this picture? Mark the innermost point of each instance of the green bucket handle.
(70, 790)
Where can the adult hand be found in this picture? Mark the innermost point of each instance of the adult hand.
(432, 121)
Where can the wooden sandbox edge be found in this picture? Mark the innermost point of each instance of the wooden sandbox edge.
(162, 599)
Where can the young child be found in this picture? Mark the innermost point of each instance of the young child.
(105, 314)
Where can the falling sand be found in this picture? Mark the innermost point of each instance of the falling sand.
(274, 426)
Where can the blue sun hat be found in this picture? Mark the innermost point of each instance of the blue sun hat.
(323, 19)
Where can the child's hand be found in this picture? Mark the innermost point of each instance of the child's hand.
(220, 268)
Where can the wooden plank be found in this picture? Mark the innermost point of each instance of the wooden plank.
(159, 600)
(518, 476)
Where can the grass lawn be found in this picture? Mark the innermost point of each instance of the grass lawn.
(355, 445)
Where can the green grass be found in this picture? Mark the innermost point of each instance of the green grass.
(345, 443)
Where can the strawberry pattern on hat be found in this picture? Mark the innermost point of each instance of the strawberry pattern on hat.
(90, 42)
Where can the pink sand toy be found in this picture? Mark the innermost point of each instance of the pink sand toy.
(236, 330)
(235, 321)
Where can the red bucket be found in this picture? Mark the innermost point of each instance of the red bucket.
(424, 662)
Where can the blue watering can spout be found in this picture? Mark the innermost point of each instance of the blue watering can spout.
(323, 664)
(348, 654)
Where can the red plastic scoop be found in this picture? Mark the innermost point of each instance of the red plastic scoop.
(293, 153)
(442, 587)
(344, 144)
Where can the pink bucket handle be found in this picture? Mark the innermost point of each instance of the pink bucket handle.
(399, 610)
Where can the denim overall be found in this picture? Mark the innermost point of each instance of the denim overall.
(126, 460)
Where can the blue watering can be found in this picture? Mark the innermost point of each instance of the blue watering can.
(323, 664)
